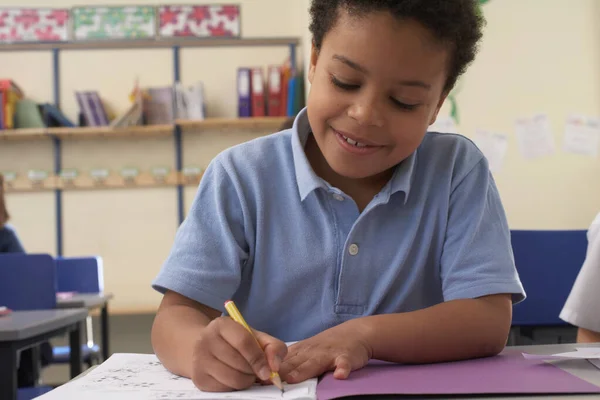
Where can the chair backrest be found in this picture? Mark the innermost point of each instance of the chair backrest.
(79, 274)
(27, 281)
(548, 263)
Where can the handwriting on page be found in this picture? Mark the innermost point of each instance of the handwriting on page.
(142, 376)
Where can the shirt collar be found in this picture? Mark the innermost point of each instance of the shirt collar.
(308, 181)
(306, 178)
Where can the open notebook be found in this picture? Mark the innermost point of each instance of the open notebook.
(142, 377)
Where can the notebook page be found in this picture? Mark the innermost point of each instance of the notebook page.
(142, 377)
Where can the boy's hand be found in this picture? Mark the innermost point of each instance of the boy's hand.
(341, 349)
(226, 357)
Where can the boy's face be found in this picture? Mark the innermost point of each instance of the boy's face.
(376, 81)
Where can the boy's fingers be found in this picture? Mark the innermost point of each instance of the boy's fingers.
(222, 378)
(275, 349)
(241, 340)
(223, 351)
(342, 368)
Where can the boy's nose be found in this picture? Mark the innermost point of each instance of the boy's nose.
(366, 113)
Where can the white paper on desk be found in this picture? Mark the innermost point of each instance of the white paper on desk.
(595, 362)
(582, 135)
(584, 353)
(493, 146)
(535, 137)
(142, 377)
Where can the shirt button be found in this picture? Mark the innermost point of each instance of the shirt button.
(338, 197)
(353, 249)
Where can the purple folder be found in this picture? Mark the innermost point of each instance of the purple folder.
(508, 373)
(244, 84)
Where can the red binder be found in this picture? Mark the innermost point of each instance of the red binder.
(274, 100)
(258, 93)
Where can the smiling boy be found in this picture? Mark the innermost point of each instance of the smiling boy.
(356, 233)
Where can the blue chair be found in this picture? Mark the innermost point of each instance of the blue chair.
(81, 275)
(28, 282)
(32, 392)
(548, 263)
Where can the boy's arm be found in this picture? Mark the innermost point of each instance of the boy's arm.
(176, 329)
(454, 330)
(458, 329)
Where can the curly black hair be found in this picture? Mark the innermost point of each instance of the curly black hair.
(456, 23)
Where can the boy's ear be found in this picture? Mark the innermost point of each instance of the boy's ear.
(314, 55)
(438, 108)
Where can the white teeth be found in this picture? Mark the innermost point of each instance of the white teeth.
(353, 142)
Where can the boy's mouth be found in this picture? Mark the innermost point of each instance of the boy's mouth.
(353, 145)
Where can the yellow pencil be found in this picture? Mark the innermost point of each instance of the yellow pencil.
(235, 314)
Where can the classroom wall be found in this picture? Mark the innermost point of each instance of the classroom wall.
(132, 229)
(537, 56)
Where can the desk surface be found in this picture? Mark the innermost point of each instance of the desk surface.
(84, 300)
(25, 324)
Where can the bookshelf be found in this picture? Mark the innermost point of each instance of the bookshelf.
(177, 131)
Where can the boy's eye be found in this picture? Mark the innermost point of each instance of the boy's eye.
(404, 106)
(342, 85)
(351, 87)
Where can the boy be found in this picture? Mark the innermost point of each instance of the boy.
(355, 233)
(583, 304)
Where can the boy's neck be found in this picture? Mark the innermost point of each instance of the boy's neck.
(360, 190)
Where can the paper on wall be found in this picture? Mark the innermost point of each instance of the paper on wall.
(493, 146)
(534, 136)
(582, 135)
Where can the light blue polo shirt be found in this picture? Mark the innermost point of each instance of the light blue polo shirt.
(297, 257)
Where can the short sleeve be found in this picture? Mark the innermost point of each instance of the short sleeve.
(210, 248)
(477, 258)
(582, 307)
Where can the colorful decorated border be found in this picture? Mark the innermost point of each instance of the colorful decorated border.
(26, 25)
(199, 21)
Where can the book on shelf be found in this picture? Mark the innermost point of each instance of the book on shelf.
(91, 108)
(54, 117)
(134, 114)
(28, 115)
(158, 104)
(189, 101)
(10, 94)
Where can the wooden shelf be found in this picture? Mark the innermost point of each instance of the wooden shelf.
(255, 123)
(113, 181)
(108, 132)
(152, 44)
(271, 124)
(23, 134)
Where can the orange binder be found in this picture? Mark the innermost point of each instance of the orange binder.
(286, 74)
